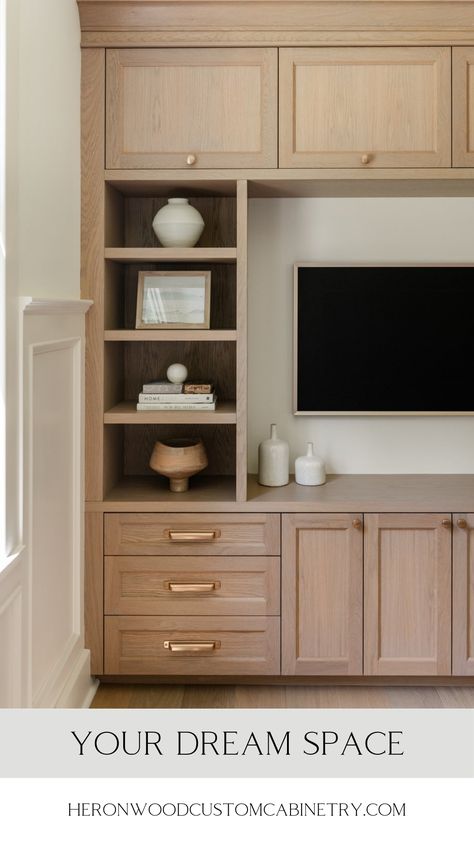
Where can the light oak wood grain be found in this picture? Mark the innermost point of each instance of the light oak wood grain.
(365, 107)
(463, 594)
(247, 645)
(284, 182)
(241, 361)
(342, 493)
(166, 105)
(127, 413)
(322, 575)
(143, 255)
(171, 335)
(94, 589)
(407, 599)
(270, 17)
(92, 265)
(463, 107)
(229, 586)
(144, 534)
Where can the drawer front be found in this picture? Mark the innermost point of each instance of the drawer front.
(192, 645)
(207, 585)
(184, 534)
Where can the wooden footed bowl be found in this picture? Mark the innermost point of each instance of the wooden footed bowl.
(178, 459)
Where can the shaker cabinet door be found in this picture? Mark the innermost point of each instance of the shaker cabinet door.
(463, 107)
(191, 108)
(407, 584)
(365, 107)
(322, 594)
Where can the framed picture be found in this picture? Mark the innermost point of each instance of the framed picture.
(180, 300)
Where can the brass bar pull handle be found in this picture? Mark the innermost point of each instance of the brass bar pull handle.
(446, 523)
(193, 587)
(462, 523)
(177, 535)
(191, 645)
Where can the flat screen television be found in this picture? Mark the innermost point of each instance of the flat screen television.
(384, 340)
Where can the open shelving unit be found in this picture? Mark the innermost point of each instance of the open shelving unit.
(120, 358)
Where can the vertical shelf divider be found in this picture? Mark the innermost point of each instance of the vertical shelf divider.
(92, 260)
(241, 431)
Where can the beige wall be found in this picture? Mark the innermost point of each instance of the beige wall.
(48, 86)
(284, 231)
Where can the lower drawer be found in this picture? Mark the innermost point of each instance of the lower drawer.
(192, 586)
(192, 645)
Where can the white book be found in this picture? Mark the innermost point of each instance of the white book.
(157, 399)
(172, 407)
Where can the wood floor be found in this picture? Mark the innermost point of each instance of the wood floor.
(249, 696)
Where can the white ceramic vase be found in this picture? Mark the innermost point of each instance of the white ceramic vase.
(178, 224)
(309, 469)
(273, 460)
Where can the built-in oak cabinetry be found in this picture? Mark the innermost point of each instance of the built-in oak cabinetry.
(196, 108)
(365, 106)
(463, 106)
(371, 595)
(221, 102)
(192, 594)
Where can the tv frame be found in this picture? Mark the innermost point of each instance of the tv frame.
(358, 264)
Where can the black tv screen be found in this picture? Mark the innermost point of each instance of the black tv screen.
(397, 339)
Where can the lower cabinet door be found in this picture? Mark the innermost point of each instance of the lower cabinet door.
(407, 584)
(322, 594)
(463, 594)
(192, 645)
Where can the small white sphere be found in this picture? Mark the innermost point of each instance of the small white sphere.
(177, 373)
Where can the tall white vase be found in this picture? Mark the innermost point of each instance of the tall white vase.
(309, 469)
(178, 224)
(273, 460)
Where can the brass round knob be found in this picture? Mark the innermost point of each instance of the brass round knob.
(365, 159)
(462, 523)
(357, 523)
(190, 160)
(446, 523)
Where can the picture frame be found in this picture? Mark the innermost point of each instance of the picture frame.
(173, 300)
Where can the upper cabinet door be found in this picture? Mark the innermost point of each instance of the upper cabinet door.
(407, 584)
(365, 107)
(191, 108)
(463, 107)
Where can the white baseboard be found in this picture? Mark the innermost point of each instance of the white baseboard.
(80, 688)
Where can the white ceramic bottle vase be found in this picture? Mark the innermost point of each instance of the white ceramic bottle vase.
(178, 224)
(273, 460)
(309, 469)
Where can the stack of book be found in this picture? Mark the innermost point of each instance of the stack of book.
(166, 396)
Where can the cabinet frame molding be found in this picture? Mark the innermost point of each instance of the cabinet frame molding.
(463, 594)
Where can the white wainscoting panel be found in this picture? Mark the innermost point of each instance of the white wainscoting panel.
(43, 662)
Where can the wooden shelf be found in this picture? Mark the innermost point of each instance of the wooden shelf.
(293, 183)
(137, 492)
(168, 255)
(441, 493)
(170, 335)
(127, 413)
